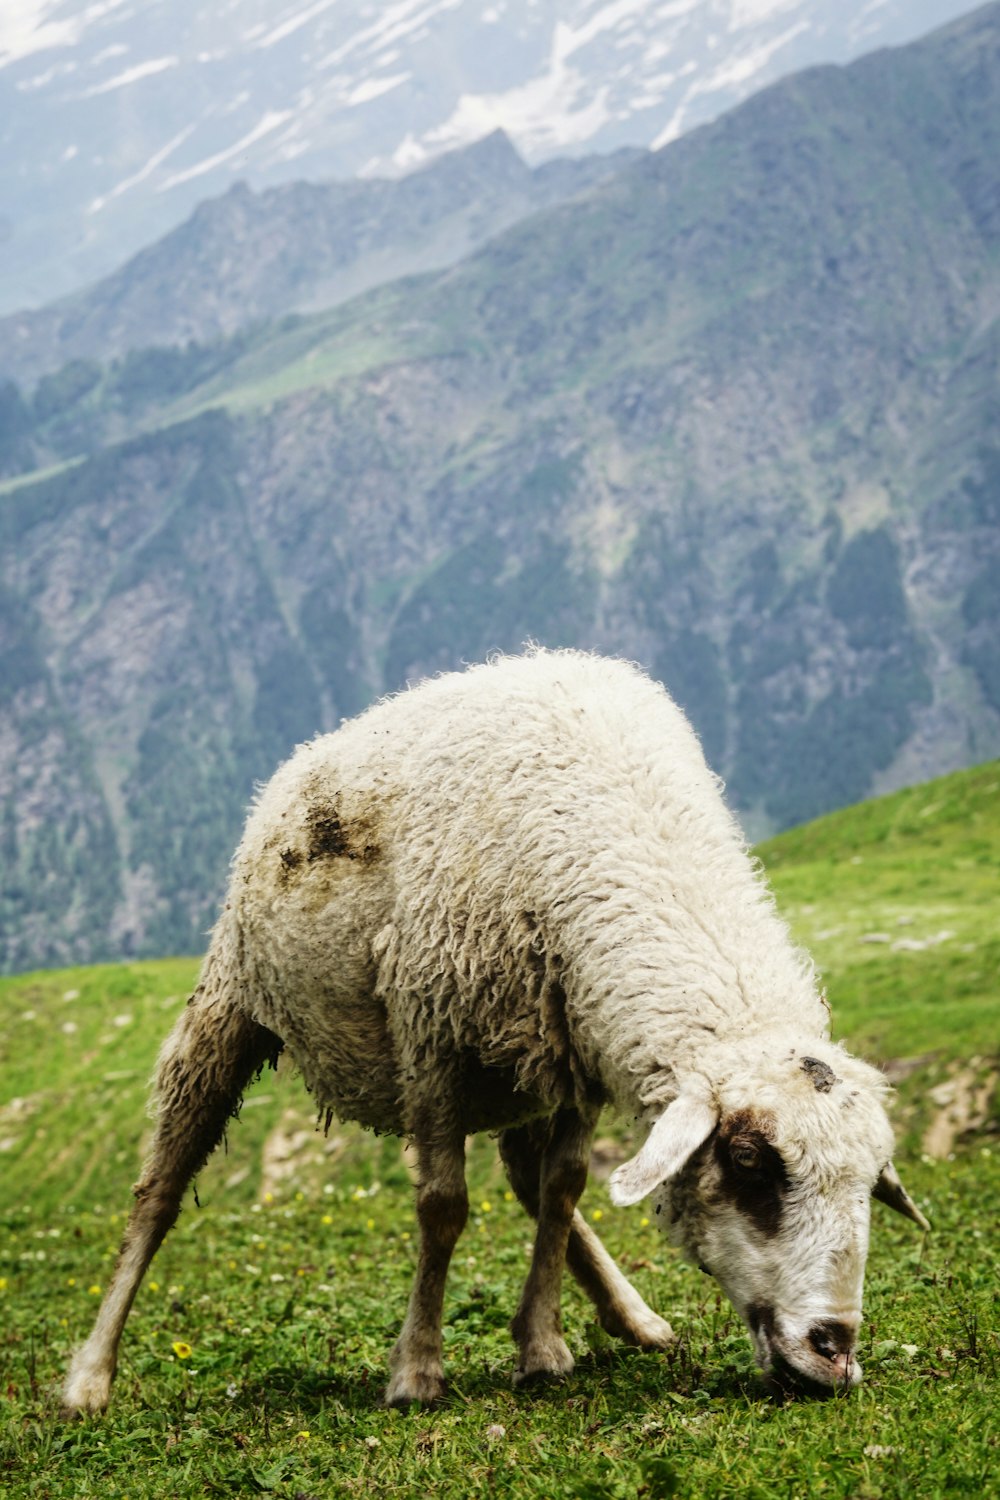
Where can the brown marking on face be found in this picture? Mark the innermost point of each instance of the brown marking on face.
(760, 1317)
(754, 1177)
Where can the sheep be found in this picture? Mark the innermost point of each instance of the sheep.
(497, 902)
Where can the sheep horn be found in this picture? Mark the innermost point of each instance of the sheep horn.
(890, 1190)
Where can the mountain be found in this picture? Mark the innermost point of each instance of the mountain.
(248, 256)
(731, 412)
(116, 119)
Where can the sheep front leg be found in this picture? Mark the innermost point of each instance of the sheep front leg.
(621, 1311)
(416, 1364)
(537, 1325)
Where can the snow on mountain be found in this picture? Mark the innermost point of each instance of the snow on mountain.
(117, 116)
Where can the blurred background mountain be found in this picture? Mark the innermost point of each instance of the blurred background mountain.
(117, 118)
(728, 407)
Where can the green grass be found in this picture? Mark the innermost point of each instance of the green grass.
(289, 1285)
(319, 349)
(897, 901)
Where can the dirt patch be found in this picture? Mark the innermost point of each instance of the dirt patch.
(962, 1106)
(293, 1148)
(330, 837)
(898, 1068)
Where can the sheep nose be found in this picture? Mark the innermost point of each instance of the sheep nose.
(835, 1342)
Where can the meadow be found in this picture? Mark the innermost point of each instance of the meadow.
(256, 1352)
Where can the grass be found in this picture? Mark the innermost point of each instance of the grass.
(318, 349)
(256, 1352)
(897, 902)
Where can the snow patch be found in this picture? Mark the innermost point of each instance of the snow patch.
(156, 160)
(132, 75)
(747, 65)
(548, 113)
(270, 121)
(42, 80)
(395, 22)
(24, 28)
(735, 73)
(745, 13)
(374, 88)
(290, 25)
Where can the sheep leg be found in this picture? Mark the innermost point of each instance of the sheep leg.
(416, 1364)
(562, 1173)
(620, 1309)
(205, 1065)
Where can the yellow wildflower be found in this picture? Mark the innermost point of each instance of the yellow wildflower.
(182, 1350)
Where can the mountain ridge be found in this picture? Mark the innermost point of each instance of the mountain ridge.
(301, 245)
(116, 119)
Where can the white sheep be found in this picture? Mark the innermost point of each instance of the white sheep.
(496, 902)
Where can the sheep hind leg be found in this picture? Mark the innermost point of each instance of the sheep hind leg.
(557, 1184)
(206, 1063)
(621, 1311)
(416, 1364)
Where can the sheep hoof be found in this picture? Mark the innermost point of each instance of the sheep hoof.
(86, 1391)
(543, 1361)
(407, 1386)
(651, 1333)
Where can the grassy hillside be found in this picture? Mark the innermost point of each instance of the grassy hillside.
(256, 1351)
(897, 901)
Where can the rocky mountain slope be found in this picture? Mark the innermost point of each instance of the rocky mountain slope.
(733, 413)
(248, 256)
(117, 119)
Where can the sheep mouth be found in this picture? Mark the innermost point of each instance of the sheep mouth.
(803, 1372)
(784, 1379)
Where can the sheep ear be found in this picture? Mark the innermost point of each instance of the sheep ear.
(678, 1132)
(890, 1190)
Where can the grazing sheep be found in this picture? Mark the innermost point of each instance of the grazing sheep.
(497, 902)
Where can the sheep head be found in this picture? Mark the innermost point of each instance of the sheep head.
(763, 1178)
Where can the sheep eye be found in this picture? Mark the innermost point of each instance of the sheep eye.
(746, 1155)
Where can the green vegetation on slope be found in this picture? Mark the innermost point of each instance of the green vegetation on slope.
(255, 1354)
(897, 901)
